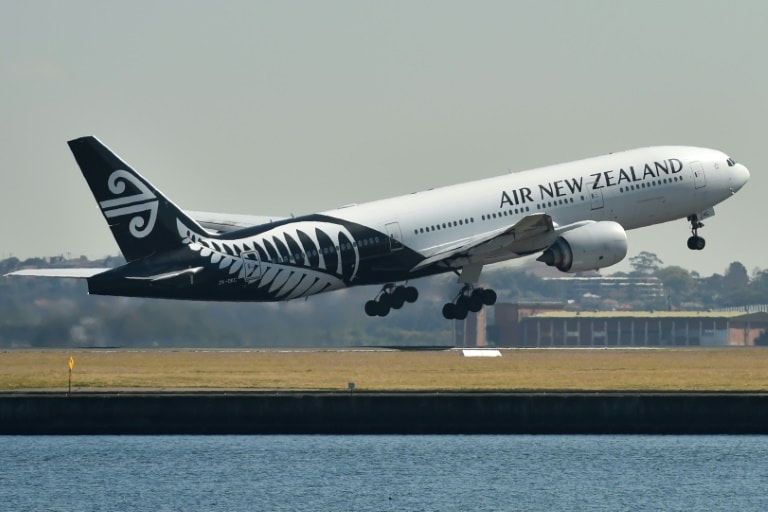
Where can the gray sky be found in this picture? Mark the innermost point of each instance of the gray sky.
(294, 107)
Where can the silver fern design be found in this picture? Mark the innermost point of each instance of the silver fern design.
(286, 262)
(144, 201)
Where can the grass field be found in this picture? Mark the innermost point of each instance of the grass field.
(737, 369)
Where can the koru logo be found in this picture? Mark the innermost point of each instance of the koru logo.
(143, 205)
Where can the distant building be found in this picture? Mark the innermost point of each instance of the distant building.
(747, 327)
(505, 330)
(530, 325)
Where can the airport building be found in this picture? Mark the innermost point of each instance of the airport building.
(547, 324)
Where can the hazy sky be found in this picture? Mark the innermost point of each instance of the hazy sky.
(294, 107)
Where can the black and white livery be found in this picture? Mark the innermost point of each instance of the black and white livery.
(573, 215)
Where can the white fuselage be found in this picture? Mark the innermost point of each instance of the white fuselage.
(616, 187)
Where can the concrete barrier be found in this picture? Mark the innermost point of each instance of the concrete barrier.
(382, 413)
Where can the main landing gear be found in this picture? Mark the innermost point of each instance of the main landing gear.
(390, 297)
(695, 242)
(469, 299)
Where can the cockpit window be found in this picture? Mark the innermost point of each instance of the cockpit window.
(731, 162)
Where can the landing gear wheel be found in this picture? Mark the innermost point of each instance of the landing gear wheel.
(382, 309)
(377, 308)
(489, 297)
(390, 297)
(398, 297)
(696, 243)
(469, 299)
(456, 311)
(475, 302)
(372, 308)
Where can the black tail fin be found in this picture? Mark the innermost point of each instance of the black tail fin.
(142, 220)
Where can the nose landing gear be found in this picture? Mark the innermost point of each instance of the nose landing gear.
(695, 242)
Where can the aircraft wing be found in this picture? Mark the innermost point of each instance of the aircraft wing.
(530, 234)
(226, 222)
(74, 273)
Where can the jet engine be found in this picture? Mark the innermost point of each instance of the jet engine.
(589, 247)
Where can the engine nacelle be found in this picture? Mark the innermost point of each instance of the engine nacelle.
(590, 247)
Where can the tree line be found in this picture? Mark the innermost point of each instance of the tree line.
(41, 312)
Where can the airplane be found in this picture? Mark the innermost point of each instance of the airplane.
(573, 215)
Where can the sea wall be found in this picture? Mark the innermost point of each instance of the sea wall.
(382, 413)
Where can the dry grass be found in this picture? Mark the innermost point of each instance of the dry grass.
(741, 369)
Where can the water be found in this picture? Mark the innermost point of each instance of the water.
(382, 473)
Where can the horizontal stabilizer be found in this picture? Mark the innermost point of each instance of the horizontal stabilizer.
(226, 222)
(74, 273)
(167, 275)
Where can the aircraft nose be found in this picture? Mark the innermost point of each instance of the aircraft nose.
(739, 176)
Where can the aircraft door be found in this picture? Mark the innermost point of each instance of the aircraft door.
(699, 178)
(595, 196)
(395, 236)
(251, 266)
